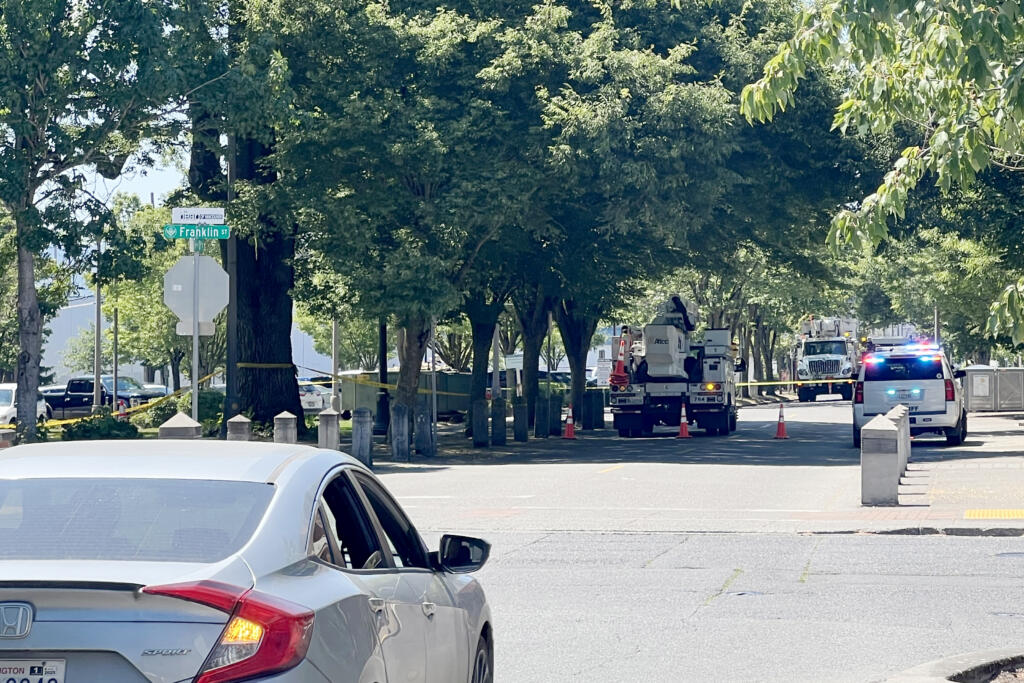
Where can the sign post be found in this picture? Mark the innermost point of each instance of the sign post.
(196, 225)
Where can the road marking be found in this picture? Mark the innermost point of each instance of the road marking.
(994, 514)
(613, 467)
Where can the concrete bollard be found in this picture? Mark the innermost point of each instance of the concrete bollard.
(8, 437)
(399, 432)
(555, 424)
(239, 428)
(520, 422)
(286, 429)
(423, 439)
(499, 422)
(362, 436)
(540, 419)
(329, 430)
(879, 462)
(180, 426)
(900, 416)
(481, 439)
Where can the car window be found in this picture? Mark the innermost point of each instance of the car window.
(404, 543)
(80, 386)
(895, 369)
(157, 520)
(347, 523)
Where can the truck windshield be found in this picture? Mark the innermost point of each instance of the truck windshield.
(6, 397)
(825, 348)
(123, 384)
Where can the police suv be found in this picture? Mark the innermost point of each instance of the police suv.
(919, 376)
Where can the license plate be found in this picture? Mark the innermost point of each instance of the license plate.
(31, 671)
(903, 395)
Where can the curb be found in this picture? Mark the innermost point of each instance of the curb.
(973, 667)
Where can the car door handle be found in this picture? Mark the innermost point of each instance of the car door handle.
(429, 608)
(377, 605)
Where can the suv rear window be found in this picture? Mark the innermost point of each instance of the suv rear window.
(895, 369)
(163, 520)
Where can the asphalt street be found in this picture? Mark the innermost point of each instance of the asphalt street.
(723, 559)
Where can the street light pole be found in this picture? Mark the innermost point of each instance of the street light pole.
(335, 384)
(380, 425)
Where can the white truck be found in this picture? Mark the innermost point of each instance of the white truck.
(649, 383)
(827, 358)
(711, 398)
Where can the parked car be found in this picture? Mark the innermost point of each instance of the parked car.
(76, 400)
(918, 376)
(9, 405)
(311, 397)
(227, 561)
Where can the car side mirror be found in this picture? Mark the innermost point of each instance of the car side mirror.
(741, 365)
(462, 554)
(959, 374)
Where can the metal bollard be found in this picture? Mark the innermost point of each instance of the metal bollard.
(328, 432)
(239, 428)
(399, 432)
(286, 428)
(180, 426)
(520, 422)
(362, 436)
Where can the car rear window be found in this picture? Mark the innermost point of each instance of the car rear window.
(895, 369)
(167, 520)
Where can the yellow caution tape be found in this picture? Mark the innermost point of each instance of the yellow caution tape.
(370, 383)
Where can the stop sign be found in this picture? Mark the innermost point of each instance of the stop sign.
(212, 284)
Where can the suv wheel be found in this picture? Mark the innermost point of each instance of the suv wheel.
(957, 435)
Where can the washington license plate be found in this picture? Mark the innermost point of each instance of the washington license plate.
(31, 671)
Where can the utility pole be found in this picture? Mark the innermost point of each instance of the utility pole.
(433, 385)
(231, 401)
(936, 323)
(97, 387)
(380, 425)
(335, 384)
(116, 404)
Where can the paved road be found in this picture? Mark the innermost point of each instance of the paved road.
(717, 559)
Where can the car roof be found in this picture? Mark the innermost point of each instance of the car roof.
(163, 459)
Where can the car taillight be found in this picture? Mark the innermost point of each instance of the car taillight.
(264, 634)
(858, 392)
(950, 395)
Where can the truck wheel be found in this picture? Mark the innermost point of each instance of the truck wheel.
(846, 391)
(856, 436)
(623, 432)
(732, 420)
(801, 396)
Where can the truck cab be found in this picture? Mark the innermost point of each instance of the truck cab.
(827, 358)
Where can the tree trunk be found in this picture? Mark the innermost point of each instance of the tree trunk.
(577, 329)
(265, 280)
(176, 359)
(30, 337)
(412, 351)
(483, 318)
(532, 305)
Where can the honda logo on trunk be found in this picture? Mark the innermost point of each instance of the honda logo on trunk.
(15, 619)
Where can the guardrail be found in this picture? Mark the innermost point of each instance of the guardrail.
(884, 452)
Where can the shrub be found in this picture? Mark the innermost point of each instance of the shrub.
(101, 426)
(157, 415)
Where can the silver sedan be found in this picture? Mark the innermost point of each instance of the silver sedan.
(209, 562)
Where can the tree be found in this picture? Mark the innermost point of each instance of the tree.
(80, 87)
(357, 337)
(967, 121)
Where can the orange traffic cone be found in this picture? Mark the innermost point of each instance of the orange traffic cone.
(570, 428)
(618, 376)
(684, 429)
(780, 431)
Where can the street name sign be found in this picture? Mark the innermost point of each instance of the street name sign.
(176, 231)
(198, 216)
